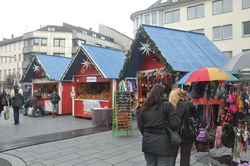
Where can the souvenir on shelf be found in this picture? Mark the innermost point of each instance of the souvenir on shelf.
(122, 113)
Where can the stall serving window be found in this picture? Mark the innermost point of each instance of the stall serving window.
(93, 91)
(46, 89)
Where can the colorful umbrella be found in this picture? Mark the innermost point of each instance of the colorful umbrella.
(207, 74)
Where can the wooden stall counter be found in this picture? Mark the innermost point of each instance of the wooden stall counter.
(83, 106)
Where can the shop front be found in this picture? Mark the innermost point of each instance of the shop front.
(44, 74)
(94, 74)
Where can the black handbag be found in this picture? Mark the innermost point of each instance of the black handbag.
(175, 139)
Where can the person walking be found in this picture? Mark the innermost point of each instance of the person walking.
(54, 98)
(155, 114)
(3, 102)
(178, 99)
(16, 103)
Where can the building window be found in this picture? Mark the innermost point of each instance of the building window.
(26, 57)
(36, 41)
(26, 43)
(154, 18)
(9, 72)
(80, 42)
(85, 32)
(196, 11)
(228, 54)
(0, 74)
(94, 34)
(147, 19)
(222, 6)
(19, 57)
(59, 42)
(99, 45)
(44, 42)
(222, 32)
(59, 54)
(137, 23)
(51, 29)
(103, 37)
(246, 28)
(245, 4)
(172, 16)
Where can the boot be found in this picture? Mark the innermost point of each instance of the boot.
(15, 122)
(53, 114)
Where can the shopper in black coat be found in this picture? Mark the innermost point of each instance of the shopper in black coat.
(178, 98)
(156, 113)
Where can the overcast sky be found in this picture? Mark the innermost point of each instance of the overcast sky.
(21, 16)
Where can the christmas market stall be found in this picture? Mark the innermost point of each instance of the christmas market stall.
(94, 72)
(162, 56)
(45, 72)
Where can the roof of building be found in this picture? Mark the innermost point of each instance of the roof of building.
(184, 51)
(107, 61)
(52, 66)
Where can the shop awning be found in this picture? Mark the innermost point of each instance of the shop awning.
(107, 61)
(184, 51)
(52, 66)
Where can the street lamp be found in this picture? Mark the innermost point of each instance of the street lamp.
(17, 67)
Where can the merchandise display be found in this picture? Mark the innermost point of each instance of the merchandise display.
(122, 114)
(93, 91)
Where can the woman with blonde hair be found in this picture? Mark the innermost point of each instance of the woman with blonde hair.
(186, 111)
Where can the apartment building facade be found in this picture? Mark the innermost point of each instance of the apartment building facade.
(16, 53)
(225, 22)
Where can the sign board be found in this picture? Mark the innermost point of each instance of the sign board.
(91, 79)
(73, 94)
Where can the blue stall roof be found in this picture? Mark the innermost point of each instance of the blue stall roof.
(53, 67)
(107, 61)
(184, 51)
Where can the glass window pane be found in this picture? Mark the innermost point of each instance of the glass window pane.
(217, 7)
(147, 19)
(154, 19)
(227, 31)
(191, 12)
(246, 28)
(246, 3)
(227, 5)
(217, 33)
(62, 43)
(56, 42)
(169, 17)
(44, 42)
(200, 11)
(176, 15)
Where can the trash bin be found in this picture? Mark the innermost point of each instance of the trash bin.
(101, 116)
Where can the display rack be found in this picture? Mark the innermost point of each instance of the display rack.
(122, 113)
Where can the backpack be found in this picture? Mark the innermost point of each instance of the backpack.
(228, 136)
(3, 101)
(17, 101)
(190, 125)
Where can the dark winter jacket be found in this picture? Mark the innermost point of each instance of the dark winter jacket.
(55, 98)
(152, 124)
(2, 106)
(181, 106)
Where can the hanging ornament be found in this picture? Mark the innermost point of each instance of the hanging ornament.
(86, 64)
(145, 47)
(36, 68)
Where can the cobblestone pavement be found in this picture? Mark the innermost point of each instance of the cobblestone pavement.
(71, 141)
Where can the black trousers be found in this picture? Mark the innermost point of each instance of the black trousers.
(185, 153)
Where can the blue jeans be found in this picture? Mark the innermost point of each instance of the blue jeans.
(154, 160)
(16, 114)
(54, 107)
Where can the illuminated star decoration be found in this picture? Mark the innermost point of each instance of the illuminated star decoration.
(145, 47)
(36, 68)
(86, 64)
